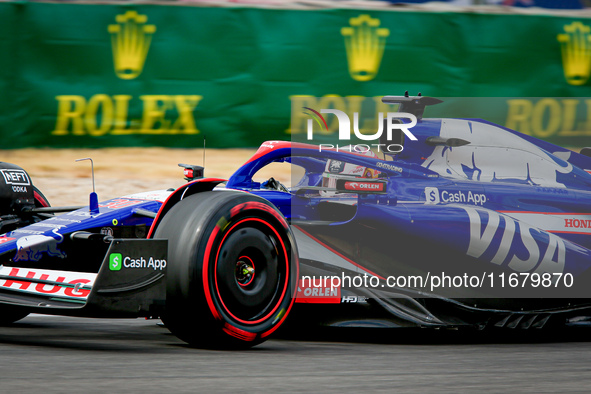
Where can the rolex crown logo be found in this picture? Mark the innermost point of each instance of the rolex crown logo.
(364, 42)
(575, 44)
(130, 39)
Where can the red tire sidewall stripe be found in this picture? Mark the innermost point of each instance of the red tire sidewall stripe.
(205, 271)
(208, 298)
(238, 333)
(38, 197)
(293, 297)
(258, 205)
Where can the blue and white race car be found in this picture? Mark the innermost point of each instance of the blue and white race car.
(471, 225)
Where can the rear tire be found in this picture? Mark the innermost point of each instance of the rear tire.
(40, 199)
(232, 269)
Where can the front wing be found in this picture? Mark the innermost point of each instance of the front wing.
(130, 282)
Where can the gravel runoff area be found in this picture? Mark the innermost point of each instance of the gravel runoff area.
(122, 171)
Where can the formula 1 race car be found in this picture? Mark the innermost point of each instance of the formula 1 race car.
(469, 225)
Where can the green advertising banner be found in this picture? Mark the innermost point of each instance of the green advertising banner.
(98, 75)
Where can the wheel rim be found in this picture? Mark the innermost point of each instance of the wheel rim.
(251, 271)
(245, 271)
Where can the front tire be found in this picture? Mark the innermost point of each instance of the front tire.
(232, 269)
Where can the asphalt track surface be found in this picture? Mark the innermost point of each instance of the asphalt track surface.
(48, 354)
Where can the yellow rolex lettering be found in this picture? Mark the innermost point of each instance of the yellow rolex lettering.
(121, 113)
(368, 124)
(185, 106)
(575, 123)
(569, 114)
(519, 115)
(354, 105)
(105, 103)
(332, 101)
(587, 124)
(104, 114)
(70, 110)
(155, 107)
(298, 117)
(552, 120)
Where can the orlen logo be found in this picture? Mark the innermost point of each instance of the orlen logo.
(369, 186)
(16, 177)
(308, 293)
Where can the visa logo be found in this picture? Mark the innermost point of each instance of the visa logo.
(522, 247)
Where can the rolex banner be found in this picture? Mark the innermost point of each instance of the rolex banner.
(98, 75)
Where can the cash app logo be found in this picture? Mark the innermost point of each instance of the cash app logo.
(115, 261)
